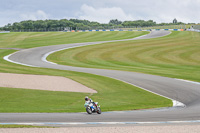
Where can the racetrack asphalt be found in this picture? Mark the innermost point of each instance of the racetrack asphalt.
(187, 93)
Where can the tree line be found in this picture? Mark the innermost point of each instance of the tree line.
(76, 24)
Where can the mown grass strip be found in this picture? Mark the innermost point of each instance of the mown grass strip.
(176, 55)
(37, 39)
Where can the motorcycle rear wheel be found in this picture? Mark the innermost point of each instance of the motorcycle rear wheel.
(98, 111)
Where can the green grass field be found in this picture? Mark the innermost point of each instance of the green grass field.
(176, 55)
(37, 39)
(24, 100)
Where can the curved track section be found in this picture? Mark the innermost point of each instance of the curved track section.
(185, 92)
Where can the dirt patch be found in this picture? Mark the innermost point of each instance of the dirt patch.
(42, 82)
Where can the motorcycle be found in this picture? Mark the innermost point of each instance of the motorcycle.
(92, 108)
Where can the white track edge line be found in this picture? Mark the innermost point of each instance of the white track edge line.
(7, 59)
(100, 123)
(188, 81)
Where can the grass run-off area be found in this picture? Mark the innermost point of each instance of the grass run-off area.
(112, 94)
(176, 55)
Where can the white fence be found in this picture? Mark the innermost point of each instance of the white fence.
(123, 30)
(193, 30)
(4, 31)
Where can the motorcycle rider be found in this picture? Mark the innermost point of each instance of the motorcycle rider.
(89, 101)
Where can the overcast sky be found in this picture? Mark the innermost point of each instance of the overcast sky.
(100, 10)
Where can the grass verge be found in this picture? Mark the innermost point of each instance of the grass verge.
(23, 126)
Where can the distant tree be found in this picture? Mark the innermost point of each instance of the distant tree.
(7, 27)
(16, 26)
(73, 24)
(193, 23)
(94, 24)
(139, 23)
(175, 21)
(115, 22)
(40, 24)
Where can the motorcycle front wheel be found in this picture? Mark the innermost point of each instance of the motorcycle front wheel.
(89, 110)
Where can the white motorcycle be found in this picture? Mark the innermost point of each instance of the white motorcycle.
(92, 108)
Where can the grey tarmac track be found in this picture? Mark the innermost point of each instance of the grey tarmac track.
(185, 92)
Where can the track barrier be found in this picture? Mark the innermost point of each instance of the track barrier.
(125, 30)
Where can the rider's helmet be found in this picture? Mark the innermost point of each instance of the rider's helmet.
(86, 98)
